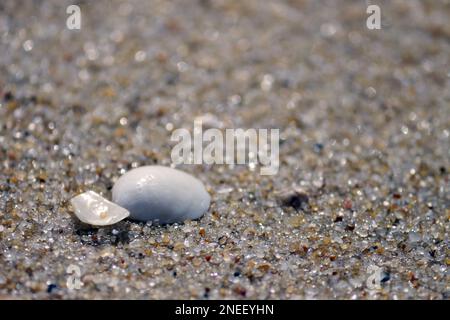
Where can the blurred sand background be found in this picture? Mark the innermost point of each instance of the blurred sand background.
(364, 118)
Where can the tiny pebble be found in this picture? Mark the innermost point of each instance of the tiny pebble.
(51, 287)
(347, 204)
(413, 237)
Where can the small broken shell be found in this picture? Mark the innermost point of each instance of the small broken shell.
(91, 208)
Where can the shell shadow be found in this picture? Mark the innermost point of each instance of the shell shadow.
(117, 234)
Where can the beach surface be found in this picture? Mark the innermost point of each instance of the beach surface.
(360, 205)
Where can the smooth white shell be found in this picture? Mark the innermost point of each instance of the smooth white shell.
(161, 194)
(93, 209)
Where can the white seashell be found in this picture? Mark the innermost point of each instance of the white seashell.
(93, 209)
(161, 194)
